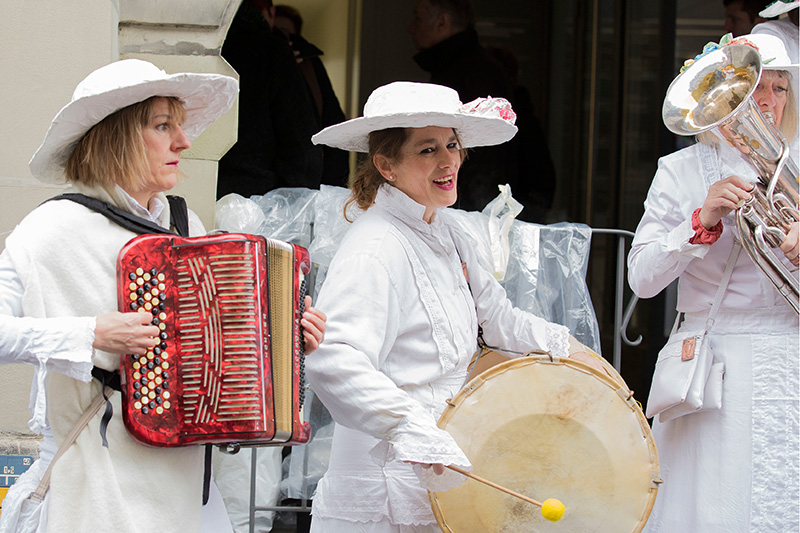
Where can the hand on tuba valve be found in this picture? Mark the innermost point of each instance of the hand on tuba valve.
(791, 244)
(723, 197)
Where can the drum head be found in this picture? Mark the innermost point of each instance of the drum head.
(549, 429)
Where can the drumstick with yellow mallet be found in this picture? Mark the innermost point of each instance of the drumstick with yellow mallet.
(552, 509)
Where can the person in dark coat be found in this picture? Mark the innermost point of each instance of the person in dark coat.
(276, 117)
(534, 162)
(444, 33)
(328, 111)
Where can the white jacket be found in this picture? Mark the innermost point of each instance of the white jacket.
(402, 327)
(661, 252)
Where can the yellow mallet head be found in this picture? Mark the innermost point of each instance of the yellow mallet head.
(552, 509)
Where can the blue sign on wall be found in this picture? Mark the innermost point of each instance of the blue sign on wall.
(11, 467)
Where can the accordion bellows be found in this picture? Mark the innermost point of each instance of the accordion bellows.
(229, 366)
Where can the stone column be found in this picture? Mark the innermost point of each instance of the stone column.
(186, 36)
(48, 48)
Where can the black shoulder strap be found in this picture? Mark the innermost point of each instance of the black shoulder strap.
(123, 218)
(179, 215)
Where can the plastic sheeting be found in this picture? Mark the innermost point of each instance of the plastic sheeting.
(542, 267)
(232, 476)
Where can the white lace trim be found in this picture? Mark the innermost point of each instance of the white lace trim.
(433, 482)
(557, 340)
(362, 498)
(418, 440)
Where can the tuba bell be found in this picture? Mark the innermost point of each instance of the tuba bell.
(716, 94)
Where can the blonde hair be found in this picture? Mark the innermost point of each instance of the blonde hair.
(113, 152)
(366, 181)
(788, 123)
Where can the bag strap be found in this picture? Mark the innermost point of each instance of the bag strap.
(726, 277)
(81, 423)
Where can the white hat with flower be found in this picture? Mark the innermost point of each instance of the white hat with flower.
(772, 51)
(112, 87)
(779, 7)
(402, 104)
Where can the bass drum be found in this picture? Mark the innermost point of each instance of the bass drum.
(549, 428)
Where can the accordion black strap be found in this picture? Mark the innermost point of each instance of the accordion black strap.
(179, 215)
(178, 218)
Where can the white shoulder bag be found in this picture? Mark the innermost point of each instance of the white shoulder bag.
(686, 379)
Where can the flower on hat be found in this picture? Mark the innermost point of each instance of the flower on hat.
(492, 108)
(707, 49)
(726, 40)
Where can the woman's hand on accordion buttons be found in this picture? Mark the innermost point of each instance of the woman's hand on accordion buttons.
(130, 333)
(313, 323)
(791, 244)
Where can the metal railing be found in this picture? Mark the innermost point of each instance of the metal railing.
(621, 318)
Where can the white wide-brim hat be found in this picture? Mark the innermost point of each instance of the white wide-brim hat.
(779, 7)
(108, 89)
(402, 104)
(773, 52)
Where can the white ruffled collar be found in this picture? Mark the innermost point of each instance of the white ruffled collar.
(732, 162)
(400, 205)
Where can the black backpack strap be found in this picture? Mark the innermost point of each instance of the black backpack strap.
(179, 215)
(122, 218)
(107, 379)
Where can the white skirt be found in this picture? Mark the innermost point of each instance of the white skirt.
(737, 469)
(332, 525)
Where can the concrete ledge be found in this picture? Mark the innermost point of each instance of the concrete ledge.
(13, 443)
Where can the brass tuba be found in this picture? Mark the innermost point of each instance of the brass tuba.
(716, 94)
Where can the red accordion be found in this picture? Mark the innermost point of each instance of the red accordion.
(229, 364)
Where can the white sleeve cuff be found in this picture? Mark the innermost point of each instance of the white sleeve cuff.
(64, 346)
(678, 242)
(69, 351)
(557, 340)
(426, 444)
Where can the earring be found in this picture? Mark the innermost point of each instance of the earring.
(390, 178)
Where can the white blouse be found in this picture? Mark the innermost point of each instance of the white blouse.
(661, 252)
(401, 330)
